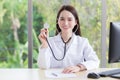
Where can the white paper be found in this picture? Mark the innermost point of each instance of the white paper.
(58, 74)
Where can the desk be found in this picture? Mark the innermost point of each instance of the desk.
(38, 74)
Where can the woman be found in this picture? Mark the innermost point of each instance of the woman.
(67, 49)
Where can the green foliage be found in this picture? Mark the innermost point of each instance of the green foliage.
(12, 52)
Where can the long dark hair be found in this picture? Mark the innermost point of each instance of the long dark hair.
(71, 9)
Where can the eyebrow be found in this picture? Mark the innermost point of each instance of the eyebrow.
(68, 17)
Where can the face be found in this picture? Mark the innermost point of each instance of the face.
(66, 21)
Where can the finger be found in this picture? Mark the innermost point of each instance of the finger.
(41, 36)
(67, 70)
(44, 32)
(44, 29)
(75, 70)
(71, 69)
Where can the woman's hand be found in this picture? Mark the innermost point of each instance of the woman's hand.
(42, 37)
(71, 69)
(74, 69)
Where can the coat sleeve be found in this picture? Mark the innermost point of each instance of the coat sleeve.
(44, 58)
(91, 59)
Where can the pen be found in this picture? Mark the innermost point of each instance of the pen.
(54, 74)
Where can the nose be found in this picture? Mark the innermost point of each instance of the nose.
(66, 22)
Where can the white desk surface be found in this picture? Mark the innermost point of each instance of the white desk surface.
(39, 74)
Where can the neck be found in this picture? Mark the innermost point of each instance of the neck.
(66, 36)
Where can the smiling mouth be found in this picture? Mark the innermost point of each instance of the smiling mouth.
(65, 27)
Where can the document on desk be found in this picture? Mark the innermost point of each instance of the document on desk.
(58, 74)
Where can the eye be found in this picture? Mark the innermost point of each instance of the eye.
(69, 19)
(61, 19)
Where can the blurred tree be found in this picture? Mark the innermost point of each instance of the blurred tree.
(11, 44)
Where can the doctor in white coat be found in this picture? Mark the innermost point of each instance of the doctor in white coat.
(67, 49)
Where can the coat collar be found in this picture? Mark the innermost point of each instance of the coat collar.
(58, 38)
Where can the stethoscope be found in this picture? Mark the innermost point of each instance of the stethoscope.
(47, 26)
(64, 49)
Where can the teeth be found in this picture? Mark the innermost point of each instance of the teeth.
(46, 25)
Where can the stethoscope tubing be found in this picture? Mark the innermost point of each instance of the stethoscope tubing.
(54, 53)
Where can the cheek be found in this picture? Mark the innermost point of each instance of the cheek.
(73, 24)
(59, 22)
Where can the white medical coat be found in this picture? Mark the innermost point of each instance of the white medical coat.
(78, 51)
